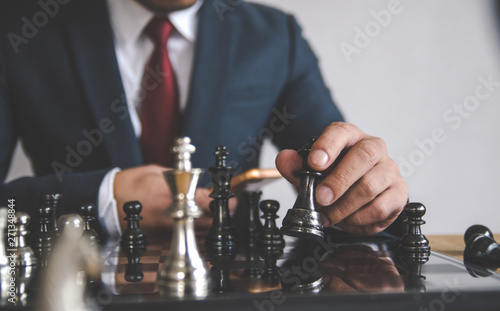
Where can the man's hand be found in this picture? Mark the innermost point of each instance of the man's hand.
(362, 191)
(147, 185)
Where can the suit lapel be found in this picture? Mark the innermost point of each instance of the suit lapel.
(90, 40)
(212, 57)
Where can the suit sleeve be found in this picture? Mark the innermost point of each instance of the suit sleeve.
(76, 188)
(306, 105)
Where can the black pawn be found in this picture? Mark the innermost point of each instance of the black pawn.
(222, 236)
(53, 201)
(42, 241)
(482, 252)
(270, 236)
(133, 237)
(477, 229)
(133, 270)
(302, 220)
(270, 241)
(414, 246)
(87, 211)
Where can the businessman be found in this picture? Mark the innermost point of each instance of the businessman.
(78, 81)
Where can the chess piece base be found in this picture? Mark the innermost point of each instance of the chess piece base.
(302, 223)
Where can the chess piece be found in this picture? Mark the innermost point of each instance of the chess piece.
(414, 246)
(43, 240)
(253, 226)
(270, 236)
(74, 262)
(73, 221)
(184, 273)
(26, 262)
(482, 252)
(87, 211)
(133, 270)
(221, 260)
(4, 260)
(297, 280)
(270, 241)
(251, 233)
(302, 220)
(221, 235)
(52, 201)
(133, 237)
(477, 229)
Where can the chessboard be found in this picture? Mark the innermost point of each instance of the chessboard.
(340, 271)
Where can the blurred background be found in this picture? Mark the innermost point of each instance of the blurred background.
(424, 76)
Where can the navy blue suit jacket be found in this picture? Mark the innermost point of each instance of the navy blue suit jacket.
(61, 94)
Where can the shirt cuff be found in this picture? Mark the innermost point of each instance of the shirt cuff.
(108, 212)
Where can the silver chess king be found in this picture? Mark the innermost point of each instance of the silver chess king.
(184, 273)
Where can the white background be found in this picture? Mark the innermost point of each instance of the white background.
(414, 69)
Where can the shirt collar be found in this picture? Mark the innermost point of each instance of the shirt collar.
(129, 18)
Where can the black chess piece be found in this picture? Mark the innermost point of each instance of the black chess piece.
(414, 249)
(42, 241)
(133, 270)
(414, 246)
(477, 229)
(221, 269)
(270, 241)
(221, 235)
(254, 269)
(133, 237)
(52, 200)
(270, 236)
(302, 220)
(482, 252)
(294, 277)
(297, 280)
(87, 211)
(253, 224)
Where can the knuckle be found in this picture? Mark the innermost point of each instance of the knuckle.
(341, 182)
(340, 214)
(354, 220)
(369, 151)
(368, 188)
(340, 126)
(379, 213)
(379, 142)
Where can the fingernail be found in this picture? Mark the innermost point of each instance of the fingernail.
(319, 158)
(324, 195)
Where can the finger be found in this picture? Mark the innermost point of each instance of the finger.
(288, 162)
(360, 159)
(376, 227)
(336, 137)
(386, 206)
(367, 188)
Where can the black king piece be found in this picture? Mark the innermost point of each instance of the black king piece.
(222, 237)
(302, 220)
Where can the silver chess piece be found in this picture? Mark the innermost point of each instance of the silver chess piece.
(4, 260)
(26, 261)
(73, 262)
(184, 273)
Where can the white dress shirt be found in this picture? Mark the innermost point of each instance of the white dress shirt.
(133, 49)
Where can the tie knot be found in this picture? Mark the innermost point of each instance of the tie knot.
(159, 30)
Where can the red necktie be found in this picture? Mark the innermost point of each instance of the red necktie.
(160, 112)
